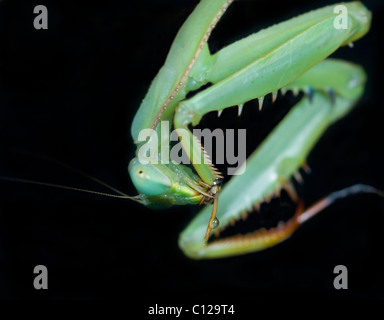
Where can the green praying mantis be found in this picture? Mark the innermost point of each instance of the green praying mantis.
(288, 56)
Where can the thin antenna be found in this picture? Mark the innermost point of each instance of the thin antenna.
(119, 195)
(68, 167)
(53, 185)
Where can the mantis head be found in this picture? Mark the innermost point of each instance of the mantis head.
(149, 179)
(163, 185)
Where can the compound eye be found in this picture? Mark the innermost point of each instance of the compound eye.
(148, 179)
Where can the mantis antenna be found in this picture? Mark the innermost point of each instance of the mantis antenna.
(119, 194)
(53, 185)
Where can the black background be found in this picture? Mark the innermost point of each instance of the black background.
(70, 92)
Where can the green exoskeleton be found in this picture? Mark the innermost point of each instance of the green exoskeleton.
(287, 56)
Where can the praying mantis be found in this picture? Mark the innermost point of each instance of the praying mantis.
(82, 114)
(290, 56)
